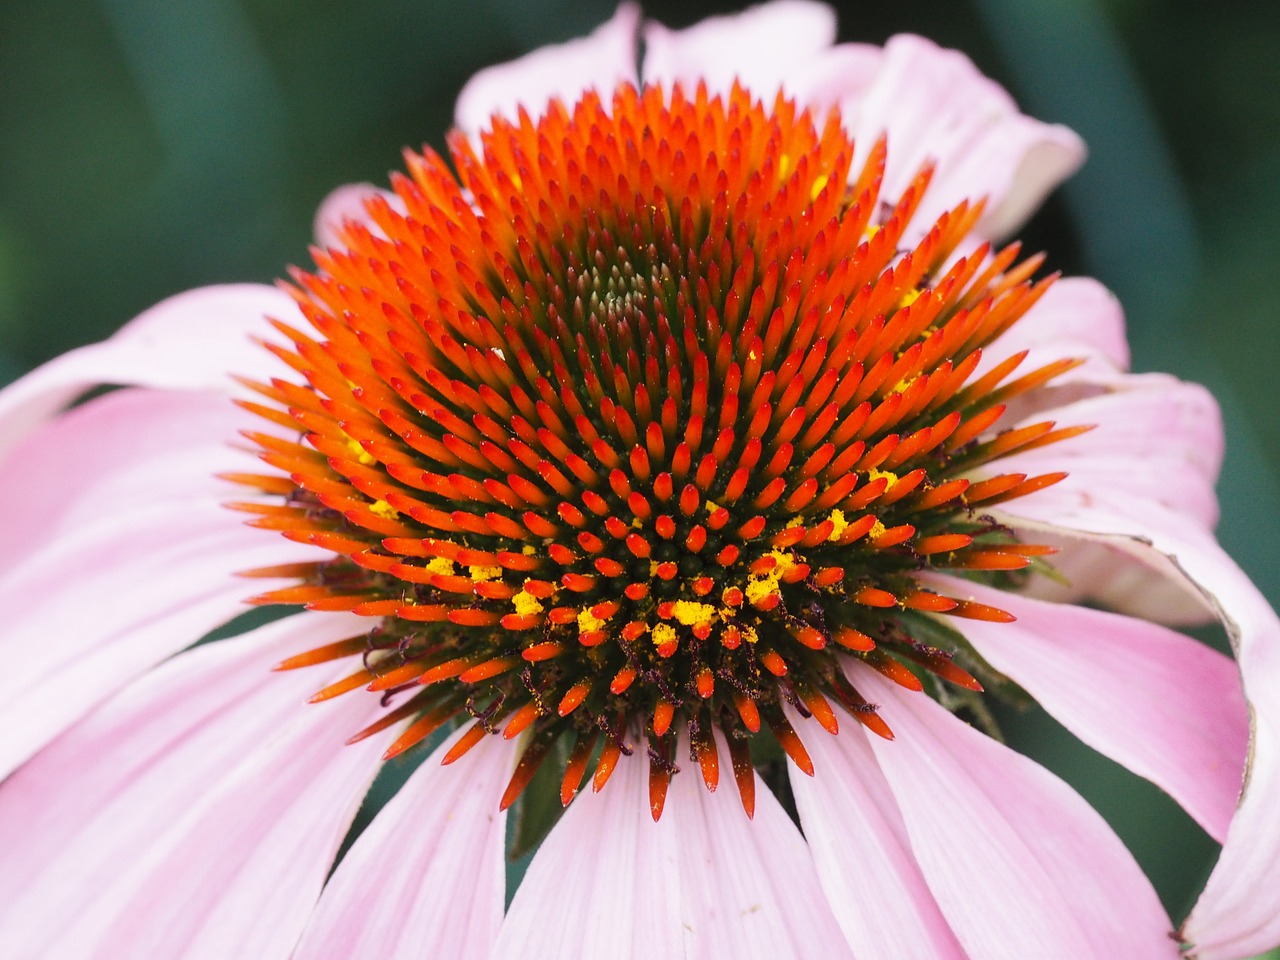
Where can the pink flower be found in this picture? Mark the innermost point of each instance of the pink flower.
(680, 421)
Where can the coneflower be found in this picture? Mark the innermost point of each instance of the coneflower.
(683, 424)
(641, 421)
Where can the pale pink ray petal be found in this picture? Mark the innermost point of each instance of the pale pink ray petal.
(1238, 914)
(601, 60)
(837, 75)
(1104, 574)
(760, 896)
(209, 801)
(784, 45)
(193, 341)
(129, 451)
(582, 897)
(1077, 317)
(1016, 164)
(1110, 571)
(935, 105)
(426, 878)
(1154, 437)
(702, 882)
(1161, 704)
(118, 553)
(996, 834)
(863, 856)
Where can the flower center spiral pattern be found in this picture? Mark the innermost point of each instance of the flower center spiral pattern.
(636, 423)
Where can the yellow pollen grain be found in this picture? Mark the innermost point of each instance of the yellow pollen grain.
(783, 561)
(760, 587)
(441, 565)
(526, 603)
(359, 452)
(481, 574)
(528, 550)
(873, 475)
(663, 633)
(588, 622)
(818, 186)
(383, 509)
(838, 524)
(784, 164)
(653, 568)
(902, 385)
(910, 297)
(794, 522)
(876, 529)
(692, 613)
(749, 634)
(711, 507)
(763, 584)
(871, 231)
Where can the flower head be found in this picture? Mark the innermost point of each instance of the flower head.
(676, 441)
(671, 420)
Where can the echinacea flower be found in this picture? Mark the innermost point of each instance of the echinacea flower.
(688, 414)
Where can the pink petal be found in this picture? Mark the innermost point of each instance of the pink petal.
(1019, 863)
(1239, 912)
(936, 105)
(864, 859)
(118, 552)
(836, 75)
(195, 815)
(600, 61)
(1078, 317)
(1165, 706)
(426, 878)
(193, 341)
(766, 48)
(1103, 574)
(1155, 437)
(702, 882)
(1115, 572)
(1017, 163)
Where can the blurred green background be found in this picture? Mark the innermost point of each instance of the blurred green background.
(148, 146)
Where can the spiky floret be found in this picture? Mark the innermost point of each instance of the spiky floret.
(638, 423)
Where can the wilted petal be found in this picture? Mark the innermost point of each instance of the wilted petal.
(599, 61)
(702, 882)
(863, 856)
(426, 877)
(193, 341)
(195, 815)
(114, 522)
(998, 836)
(1163, 705)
